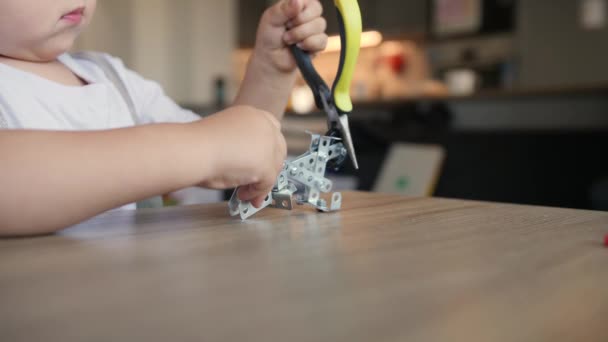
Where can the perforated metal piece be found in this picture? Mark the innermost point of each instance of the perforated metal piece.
(302, 178)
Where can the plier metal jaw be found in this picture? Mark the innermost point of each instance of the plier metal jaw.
(339, 128)
(336, 102)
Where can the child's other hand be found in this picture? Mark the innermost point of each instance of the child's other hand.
(248, 151)
(286, 23)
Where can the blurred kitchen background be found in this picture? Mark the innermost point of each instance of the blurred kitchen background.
(500, 100)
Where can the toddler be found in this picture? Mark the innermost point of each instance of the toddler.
(81, 134)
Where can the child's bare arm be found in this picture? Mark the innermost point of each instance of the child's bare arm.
(51, 180)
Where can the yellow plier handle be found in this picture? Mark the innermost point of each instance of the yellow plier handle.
(349, 19)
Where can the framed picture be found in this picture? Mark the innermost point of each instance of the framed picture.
(456, 17)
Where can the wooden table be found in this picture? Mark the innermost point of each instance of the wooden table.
(385, 268)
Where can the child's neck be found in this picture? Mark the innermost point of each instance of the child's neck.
(53, 71)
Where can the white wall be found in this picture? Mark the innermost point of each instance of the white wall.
(110, 30)
(182, 44)
(214, 42)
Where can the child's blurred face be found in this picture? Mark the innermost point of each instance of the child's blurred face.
(41, 30)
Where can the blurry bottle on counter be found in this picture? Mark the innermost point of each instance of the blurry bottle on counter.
(219, 92)
(508, 74)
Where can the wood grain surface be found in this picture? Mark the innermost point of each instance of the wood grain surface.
(385, 268)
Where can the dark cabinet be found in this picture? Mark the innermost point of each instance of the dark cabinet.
(249, 14)
(394, 18)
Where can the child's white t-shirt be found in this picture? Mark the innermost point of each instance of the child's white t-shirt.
(28, 101)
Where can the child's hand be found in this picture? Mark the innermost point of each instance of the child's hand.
(286, 23)
(248, 151)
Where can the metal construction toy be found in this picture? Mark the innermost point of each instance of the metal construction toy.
(303, 179)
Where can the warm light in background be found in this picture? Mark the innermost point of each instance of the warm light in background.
(302, 100)
(368, 39)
